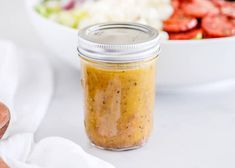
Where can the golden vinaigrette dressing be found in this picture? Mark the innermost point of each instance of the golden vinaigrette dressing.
(119, 101)
(118, 64)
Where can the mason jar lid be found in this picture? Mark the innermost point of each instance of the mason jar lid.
(118, 42)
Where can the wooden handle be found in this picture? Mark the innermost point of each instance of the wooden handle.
(3, 164)
(4, 119)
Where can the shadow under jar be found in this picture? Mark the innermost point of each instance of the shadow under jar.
(118, 63)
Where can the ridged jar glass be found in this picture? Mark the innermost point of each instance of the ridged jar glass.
(118, 64)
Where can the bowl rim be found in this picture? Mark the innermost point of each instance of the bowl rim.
(30, 6)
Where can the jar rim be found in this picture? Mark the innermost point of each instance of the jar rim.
(118, 42)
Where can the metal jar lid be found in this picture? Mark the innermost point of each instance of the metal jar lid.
(118, 42)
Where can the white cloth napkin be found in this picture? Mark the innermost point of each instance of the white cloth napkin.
(20, 151)
(26, 87)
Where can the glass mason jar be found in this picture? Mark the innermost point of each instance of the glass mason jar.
(118, 63)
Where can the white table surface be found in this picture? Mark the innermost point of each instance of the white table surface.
(193, 129)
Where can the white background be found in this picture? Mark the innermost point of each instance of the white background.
(193, 129)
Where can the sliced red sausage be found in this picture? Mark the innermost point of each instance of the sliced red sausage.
(175, 4)
(218, 3)
(192, 34)
(199, 8)
(228, 9)
(218, 26)
(178, 22)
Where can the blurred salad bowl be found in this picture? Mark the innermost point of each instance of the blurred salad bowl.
(182, 63)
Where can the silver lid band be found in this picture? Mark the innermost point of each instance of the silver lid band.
(118, 42)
